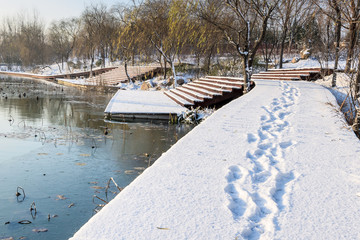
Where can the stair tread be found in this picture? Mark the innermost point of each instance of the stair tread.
(212, 88)
(202, 90)
(183, 101)
(230, 78)
(185, 95)
(195, 93)
(274, 77)
(282, 74)
(218, 83)
(295, 71)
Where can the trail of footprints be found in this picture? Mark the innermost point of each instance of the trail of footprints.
(257, 196)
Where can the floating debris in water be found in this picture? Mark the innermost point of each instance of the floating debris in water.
(130, 172)
(161, 228)
(43, 154)
(18, 194)
(97, 187)
(139, 168)
(9, 238)
(61, 197)
(71, 205)
(85, 155)
(25, 222)
(81, 164)
(37, 230)
(33, 210)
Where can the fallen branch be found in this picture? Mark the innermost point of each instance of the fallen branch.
(108, 185)
(343, 103)
(99, 199)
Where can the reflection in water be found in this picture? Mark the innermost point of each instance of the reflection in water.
(54, 142)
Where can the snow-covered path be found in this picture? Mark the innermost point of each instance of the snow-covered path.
(277, 163)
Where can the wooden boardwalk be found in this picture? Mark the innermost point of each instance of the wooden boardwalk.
(297, 74)
(110, 76)
(84, 74)
(118, 75)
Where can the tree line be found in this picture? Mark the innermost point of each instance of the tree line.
(169, 31)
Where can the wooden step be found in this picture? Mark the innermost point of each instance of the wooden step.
(281, 74)
(277, 78)
(224, 82)
(185, 96)
(208, 88)
(177, 99)
(296, 69)
(216, 85)
(201, 90)
(195, 94)
(232, 79)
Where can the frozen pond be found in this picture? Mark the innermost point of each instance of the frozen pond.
(55, 144)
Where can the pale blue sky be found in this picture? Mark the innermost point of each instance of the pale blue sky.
(50, 10)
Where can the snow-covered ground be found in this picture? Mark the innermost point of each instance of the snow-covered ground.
(341, 90)
(312, 62)
(277, 163)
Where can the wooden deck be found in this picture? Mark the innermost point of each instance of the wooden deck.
(306, 74)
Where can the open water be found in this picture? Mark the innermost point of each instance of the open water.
(56, 146)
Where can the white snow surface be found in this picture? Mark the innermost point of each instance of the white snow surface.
(150, 102)
(313, 63)
(277, 163)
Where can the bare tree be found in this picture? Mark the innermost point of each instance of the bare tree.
(32, 41)
(62, 36)
(351, 13)
(128, 36)
(165, 24)
(9, 38)
(288, 12)
(243, 24)
(332, 8)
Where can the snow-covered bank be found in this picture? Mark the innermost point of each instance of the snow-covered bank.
(279, 163)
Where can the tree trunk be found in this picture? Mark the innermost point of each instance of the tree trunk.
(103, 57)
(290, 44)
(352, 42)
(174, 73)
(165, 68)
(126, 72)
(357, 80)
(133, 57)
(209, 60)
(327, 45)
(198, 65)
(246, 72)
(91, 66)
(337, 39)
(62, 63)
(282, 46)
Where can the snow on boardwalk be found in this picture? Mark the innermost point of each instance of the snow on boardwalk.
(135, 103)
(277, 163)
